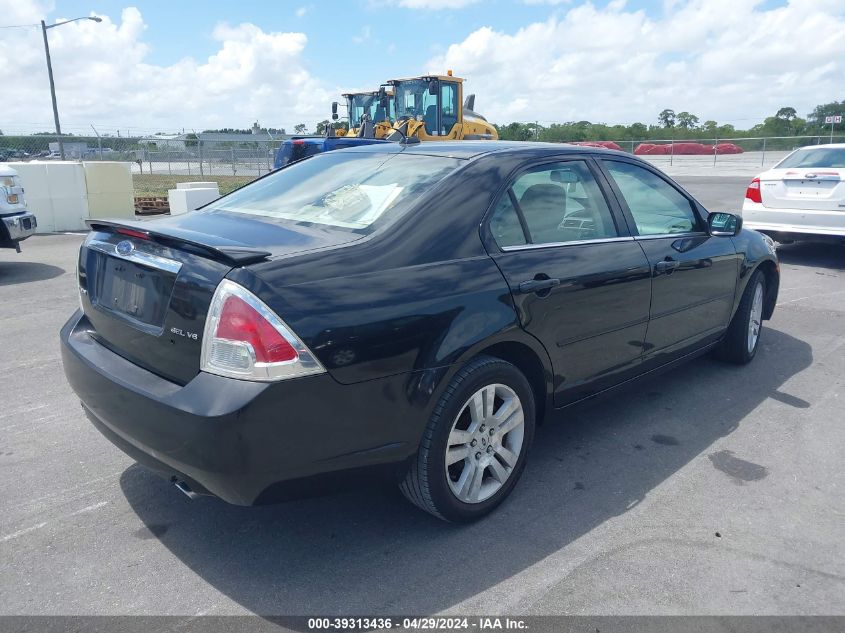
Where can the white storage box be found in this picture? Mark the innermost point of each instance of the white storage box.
(189, 196)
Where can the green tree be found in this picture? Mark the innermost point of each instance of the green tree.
(299, 128)
(686, 120)
(787, 114)
(191, 140)
(709, 126)
(516, 131)
(321, 127)
(816, 118)
(667, 118)
(637, 131)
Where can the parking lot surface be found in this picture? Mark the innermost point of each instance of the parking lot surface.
(710, 489)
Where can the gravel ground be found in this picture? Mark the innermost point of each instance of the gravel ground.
(711, 489)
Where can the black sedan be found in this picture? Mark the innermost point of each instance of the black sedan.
(420, 307)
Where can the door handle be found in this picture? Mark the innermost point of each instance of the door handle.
(537, 285)
(667, 266)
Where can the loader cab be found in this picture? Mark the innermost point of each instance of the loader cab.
(432, 101)
(379, 110)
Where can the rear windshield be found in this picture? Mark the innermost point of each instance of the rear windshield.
(816, 157)
(348, 190)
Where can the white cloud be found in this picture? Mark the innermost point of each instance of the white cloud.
(432, 5)
(301, 11)
(363, 36)
(728, 60)
(720, 59)
(103, 77)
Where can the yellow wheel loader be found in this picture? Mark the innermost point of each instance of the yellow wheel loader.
(374, 108)
(429, 108)
(432, 108)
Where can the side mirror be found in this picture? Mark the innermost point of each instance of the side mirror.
(432, 87)
(724, 224)
(334, 110)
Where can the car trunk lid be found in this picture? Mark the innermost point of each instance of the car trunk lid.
(146, 286)
(820, 188)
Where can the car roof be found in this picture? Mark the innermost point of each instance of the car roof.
(823, 146)
(473, 149)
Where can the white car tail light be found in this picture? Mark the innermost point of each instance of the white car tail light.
(753, 191)
(244, 339)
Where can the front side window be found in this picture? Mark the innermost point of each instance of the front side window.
(558, 203)
(359, 105)
(413, 98)
(347, 190)
(657, 207)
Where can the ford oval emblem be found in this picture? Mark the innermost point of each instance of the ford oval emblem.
(124, 248)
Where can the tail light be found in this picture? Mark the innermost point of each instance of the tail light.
(245, 339)
(753, 191)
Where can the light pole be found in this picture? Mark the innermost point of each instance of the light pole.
(44, 28)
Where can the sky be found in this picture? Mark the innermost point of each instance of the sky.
(164, 66)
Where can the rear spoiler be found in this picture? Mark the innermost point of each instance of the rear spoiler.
(232, 254)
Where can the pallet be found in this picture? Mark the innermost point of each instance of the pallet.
(148, 205)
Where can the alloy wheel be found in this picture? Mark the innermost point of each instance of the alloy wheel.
(485, 443)
(755, 319)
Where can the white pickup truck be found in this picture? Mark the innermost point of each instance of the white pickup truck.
(16, 223)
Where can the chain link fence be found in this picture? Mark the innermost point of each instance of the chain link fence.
(160, 162)
(744, 154)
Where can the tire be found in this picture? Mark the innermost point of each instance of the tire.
(483, 474)
(737, 346)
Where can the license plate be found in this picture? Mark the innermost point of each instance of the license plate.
(134, 291)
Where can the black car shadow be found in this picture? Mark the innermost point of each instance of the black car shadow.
(816, 254)
(12, 273)
(370, 552)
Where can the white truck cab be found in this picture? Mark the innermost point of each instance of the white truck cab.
(16, 223)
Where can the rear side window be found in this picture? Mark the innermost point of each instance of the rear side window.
(558, 203)
(504, 224)
(348, 190)
(658, 208)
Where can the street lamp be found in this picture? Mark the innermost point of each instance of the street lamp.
(44, 28)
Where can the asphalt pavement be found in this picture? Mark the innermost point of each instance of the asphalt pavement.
(711, 489)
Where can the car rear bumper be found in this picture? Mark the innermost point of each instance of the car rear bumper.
(793, 221)
(231, 438)
(19, 226)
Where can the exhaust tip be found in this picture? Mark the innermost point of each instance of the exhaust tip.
(185, 489)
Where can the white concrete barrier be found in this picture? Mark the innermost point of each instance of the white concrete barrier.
(111, 193)
(63, 194)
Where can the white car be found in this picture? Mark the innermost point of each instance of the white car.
(802, 197)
